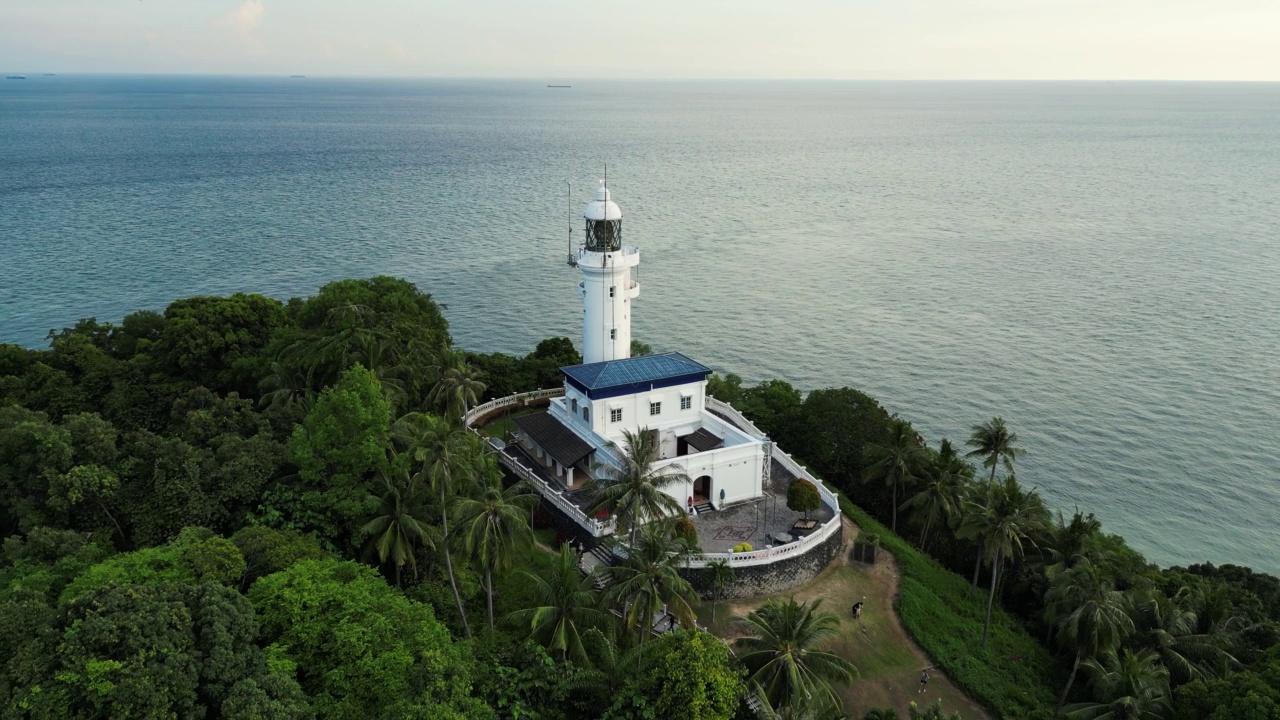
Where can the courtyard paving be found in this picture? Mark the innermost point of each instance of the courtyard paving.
(752, 522)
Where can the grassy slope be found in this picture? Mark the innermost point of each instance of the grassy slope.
(1015, 677)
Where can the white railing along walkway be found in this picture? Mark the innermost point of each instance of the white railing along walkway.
(735, 417)
(480, 411)
(555, 496)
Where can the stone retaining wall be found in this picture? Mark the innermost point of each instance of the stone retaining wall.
(787, 572)
(749, 581)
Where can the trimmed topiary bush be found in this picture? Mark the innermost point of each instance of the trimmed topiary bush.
(803, 496)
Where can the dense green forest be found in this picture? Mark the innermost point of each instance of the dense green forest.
(243, 508)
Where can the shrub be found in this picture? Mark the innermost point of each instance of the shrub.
(684, 529)
(802, 496)
(741, 547)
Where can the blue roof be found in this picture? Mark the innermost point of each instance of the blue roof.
(635, 374)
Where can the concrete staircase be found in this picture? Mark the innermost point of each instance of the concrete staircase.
(704, 507)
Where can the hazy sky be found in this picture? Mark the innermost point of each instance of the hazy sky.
(552, 39)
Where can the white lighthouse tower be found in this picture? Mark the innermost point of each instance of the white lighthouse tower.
(607, 286)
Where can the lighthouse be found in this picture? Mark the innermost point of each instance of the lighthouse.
(608, 284)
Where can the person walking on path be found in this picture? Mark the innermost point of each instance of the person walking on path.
(924, 681)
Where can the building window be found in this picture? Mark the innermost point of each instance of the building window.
(655, 408)
(615, 415)
(686, 402)
(611, 289)
(586, 414)
(613, 334)
(574, 404)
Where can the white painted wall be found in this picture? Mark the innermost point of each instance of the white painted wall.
(635, 411)
(736, 470)
(602, 312)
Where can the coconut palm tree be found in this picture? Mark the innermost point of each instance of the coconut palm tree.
(809, 707)
(1070, 543)
(1093, 617)
(400, 527)
(458, 387)
(285, 387)
(1011, 518)
(567, 608)
(898, 463)
(995, 443)
(975, 522)
(719, 573)
(636, 492)
(1169, 626)
(609, 668)
(781, 654)
(941, 493)
(492, 522)
(441, 451)
(1128, 686)
(648, 579)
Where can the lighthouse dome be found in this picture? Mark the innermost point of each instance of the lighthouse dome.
(602, 207)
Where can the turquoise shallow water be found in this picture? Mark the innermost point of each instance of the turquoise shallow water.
(1096, 262)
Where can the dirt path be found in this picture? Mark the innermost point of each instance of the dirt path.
(888, 661)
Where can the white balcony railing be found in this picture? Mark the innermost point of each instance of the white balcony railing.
(480, 411)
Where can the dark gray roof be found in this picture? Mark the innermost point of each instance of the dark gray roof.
(635, 371)
(703, 440)
(551, 435)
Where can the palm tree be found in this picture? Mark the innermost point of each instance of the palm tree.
(609, 668)
(399, 528)
(781, 654)
(1011, 518)
(1070, 543)
(898, 463)
(636, 492)
(810, 707)
(648, 579)
(1093, 618)
(567, 608)
(287, 388)
(1131, 686)
(719, 573)
(492, 522)
(995, 443)
(441, 452)
(458, 385)
(1170, 627)
(940, 496)
(975, 521)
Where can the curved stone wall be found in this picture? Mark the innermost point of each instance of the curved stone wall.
(787, 572)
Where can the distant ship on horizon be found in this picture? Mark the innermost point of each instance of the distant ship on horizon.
(559, 86)
(15, 77)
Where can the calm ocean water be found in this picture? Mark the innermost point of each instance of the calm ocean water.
(1096, 262)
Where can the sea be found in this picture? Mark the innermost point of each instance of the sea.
(1096, 262)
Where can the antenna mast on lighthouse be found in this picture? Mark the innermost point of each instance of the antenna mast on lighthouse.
(573, 259)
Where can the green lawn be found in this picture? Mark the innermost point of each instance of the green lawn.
(1015, 676)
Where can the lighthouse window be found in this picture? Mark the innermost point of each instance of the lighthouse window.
(615, 415)
(686, 402)
(613, 334)
(655, 408)
(611, 288)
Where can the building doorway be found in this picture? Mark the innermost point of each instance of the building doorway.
(702, 489)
